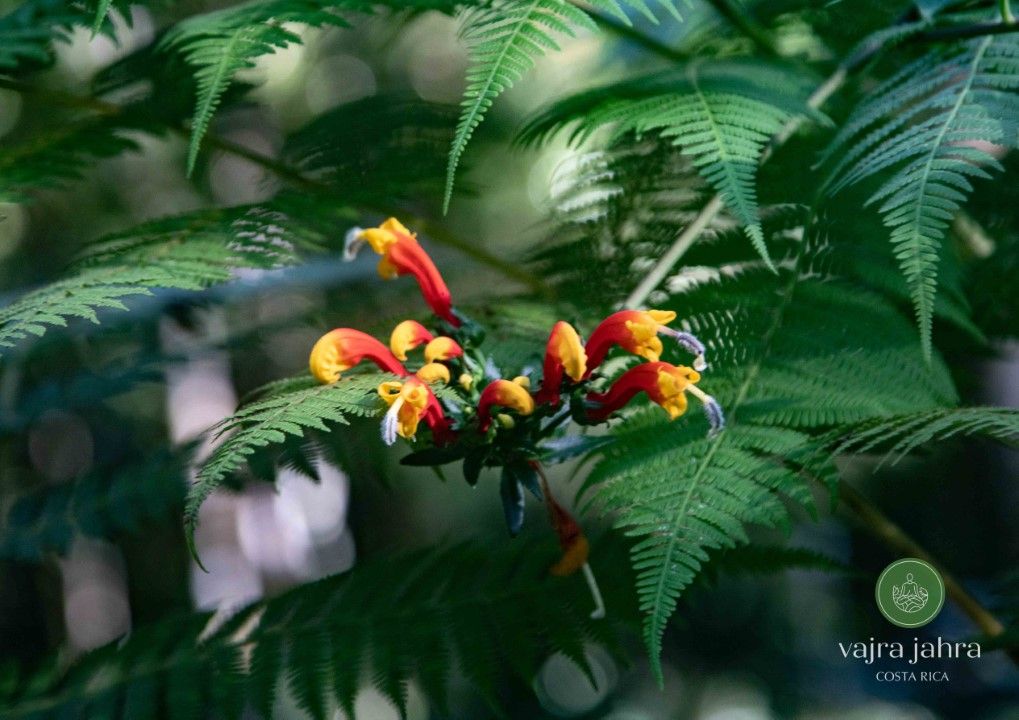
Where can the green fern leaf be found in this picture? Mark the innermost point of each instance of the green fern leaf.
(102, 10)
(271, 419)
(27, 33)
(683, 494)
(903, 434)
(55, 157)
(187, 252)
(220, 44)
(488, 614)
(103, 504)
(721, 113)
(504, 40)
(928, 127)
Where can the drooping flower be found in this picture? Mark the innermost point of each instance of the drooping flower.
(410, 402)
(433, 372)
(564, 355)
(406, 336)
(441, 349)
(504, 393)
(572, 540)
(666, 385)
(343, 348)
(403, 255)
(637, 331)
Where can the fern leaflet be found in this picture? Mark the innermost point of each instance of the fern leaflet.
(302, 406)
(928, 126)
(221, 43)
(682, 494)
(721, 113)
(504, 40)
(385, 623)
(188, 252)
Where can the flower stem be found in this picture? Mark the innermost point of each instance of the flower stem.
(1006, 11)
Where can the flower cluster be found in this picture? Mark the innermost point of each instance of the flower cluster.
(475, 415)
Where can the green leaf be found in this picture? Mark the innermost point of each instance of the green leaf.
(923, 134)
(486, 614)
(219, 44)
(722, 113)
(504, 40)
(784, 373)
(271, 420)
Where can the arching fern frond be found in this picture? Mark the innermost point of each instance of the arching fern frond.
(721, 113)
(187, 252)
(221, 43)
(299, 407)
(504, 40)
(383, 146)
(494, 614)
(924, 133)
(904, 434)
(612, 210)
(785, 373)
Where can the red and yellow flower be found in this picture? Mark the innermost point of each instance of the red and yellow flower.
(403, 255)
(442, 349)
(665, 384)
(411, 401)
(567, 368)
(406, 336)
(564, 356)
(510, 394)
(637, 331)
(341, 349)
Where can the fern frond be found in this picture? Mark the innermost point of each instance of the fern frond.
(271, 419)
(219, 44)
(721, 113)
(504, 40)
(785, 372)
(102, 504)
(903, 434)
(493, 615)
(929, 126)
(188, 252)
(27, 32)
(52, 158)
(382, 146)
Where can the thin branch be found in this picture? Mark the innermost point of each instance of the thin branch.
(963, 32)
(1006, 11)
(881, 527)
(709, 212)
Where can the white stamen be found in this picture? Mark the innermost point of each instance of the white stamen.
(592, 585)
(352, 244)
(391, 422)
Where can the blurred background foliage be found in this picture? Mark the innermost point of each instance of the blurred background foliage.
(226, 248)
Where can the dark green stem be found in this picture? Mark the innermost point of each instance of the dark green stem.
(1006, 11)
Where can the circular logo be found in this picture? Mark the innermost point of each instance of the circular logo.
(910, 593)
